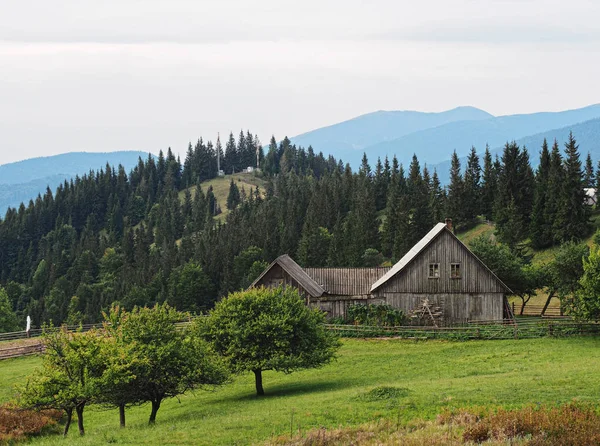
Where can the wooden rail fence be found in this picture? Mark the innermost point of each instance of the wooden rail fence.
(521, 328)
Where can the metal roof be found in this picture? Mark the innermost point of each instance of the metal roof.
(419, 247)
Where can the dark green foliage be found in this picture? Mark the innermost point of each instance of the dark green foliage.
(190, 289)
(584, 303)
(489, 185)
(172, 361)
(8, 319)
(514, 199)
(541, 225)
(112, 236)
(233, 199)
(472, 196)
(573, 214)
(376, 315)
(268, 329)
(520, 277)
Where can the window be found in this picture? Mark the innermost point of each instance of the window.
(434, 270)
(455, 272)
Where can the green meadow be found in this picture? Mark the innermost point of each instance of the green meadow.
(425, 377)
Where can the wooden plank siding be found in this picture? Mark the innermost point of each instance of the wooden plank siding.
(477, 295)
(457, 307)
(347, 281)
(445, 249)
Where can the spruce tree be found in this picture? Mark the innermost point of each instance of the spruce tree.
(488, 185)
(472, 188)
(540, 229)
(589, 178)
(455, 192)
(572, 221)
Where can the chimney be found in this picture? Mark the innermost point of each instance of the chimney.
(449, 224)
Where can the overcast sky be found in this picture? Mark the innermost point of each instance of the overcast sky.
(146, 74)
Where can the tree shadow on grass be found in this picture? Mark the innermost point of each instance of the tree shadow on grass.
(289, 389)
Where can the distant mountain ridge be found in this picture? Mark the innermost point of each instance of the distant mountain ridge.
(586, 133)
(435, 140)
(24, 180)
(381, 126)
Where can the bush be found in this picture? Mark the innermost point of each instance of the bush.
(18, 424)
(375, 315)
(570, 424)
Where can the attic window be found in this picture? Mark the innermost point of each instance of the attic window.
(455, 272)
(434, 270)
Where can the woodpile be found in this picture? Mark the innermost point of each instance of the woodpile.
(427, 314)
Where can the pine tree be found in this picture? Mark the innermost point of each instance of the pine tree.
(554, 192)
(455, 192)
(233, 198)
(437, 199)
(472, 188)
(514, 200)
(589, 179)
(541, 229)
(489, 185)
(573, 216)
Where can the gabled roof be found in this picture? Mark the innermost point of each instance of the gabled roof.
(297, 273)
(419, 247)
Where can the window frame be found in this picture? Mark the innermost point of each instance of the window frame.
(435, 268)
(456, 266)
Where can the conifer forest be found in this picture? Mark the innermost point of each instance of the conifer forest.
(151, 235)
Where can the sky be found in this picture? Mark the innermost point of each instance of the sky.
(84, 75)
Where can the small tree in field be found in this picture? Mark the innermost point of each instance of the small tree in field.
(268, 329)
(73, 368)
(171, 362)
(585, 302)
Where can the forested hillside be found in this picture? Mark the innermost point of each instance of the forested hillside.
(24, 180)
(150, 235)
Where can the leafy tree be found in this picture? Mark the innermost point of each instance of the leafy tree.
(190, 289)
(521, 278)
(70, 377)
(245, 266)
(8, 319)
(268, 329)
(585, 302)
(172, 362)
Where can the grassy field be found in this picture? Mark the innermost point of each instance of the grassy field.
(220, 185)
(426, 377)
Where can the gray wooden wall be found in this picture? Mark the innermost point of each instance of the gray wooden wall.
(443, 250)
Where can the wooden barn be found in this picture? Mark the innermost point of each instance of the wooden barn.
(439, 270)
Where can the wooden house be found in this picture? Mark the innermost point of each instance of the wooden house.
(439, 269)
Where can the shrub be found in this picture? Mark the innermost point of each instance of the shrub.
(18, 424)
(375, 315)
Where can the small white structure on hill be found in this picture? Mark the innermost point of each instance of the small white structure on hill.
(590, 196)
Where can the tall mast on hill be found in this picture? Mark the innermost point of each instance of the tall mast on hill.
(218, 153)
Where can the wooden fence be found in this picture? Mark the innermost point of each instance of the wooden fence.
(521, 328)
(487, 330)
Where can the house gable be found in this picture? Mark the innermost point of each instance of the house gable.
(440, 247)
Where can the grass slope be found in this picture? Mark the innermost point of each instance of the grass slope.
(220, 185)
(430, 376)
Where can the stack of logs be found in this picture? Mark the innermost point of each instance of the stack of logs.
(427, 314)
